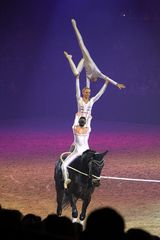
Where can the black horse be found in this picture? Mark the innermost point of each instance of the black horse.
(84, 173)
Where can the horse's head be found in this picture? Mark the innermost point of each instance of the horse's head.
(95, 163)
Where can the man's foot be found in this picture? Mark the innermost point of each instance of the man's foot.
(66, 182)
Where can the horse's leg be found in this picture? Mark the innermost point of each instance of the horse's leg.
(60, 196)
(85, 204)
(74, 208)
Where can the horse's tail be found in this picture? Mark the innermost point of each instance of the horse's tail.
(59, 184)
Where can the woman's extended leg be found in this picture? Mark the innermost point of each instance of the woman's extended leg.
(92, 71)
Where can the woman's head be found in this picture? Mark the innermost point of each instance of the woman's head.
(86, 92)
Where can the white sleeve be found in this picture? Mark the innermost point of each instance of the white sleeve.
(78, 92)
(88, 123)
(75, 121)
(111, 81)
(99, 94)
(106, 78)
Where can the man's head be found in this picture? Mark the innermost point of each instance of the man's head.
(82, 121)
(86, 92)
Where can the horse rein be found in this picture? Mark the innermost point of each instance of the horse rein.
(76, 170)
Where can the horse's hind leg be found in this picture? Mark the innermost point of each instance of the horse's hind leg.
(74, 209)
(60, 195)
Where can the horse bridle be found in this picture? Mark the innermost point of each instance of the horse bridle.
(99, 164)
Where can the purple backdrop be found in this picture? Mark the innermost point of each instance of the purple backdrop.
(123, 38)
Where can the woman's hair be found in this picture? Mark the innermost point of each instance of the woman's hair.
(85, 89)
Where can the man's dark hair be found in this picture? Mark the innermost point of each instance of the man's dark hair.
(82, 121)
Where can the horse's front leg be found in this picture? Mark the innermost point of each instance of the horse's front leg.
(74, 208)
(85, 204)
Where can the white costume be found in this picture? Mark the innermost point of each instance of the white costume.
(84, 109)
(92, 71)
(80, 145)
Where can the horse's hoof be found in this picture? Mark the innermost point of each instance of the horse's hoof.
(74, 220)
(59, 214)
(81, 222)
